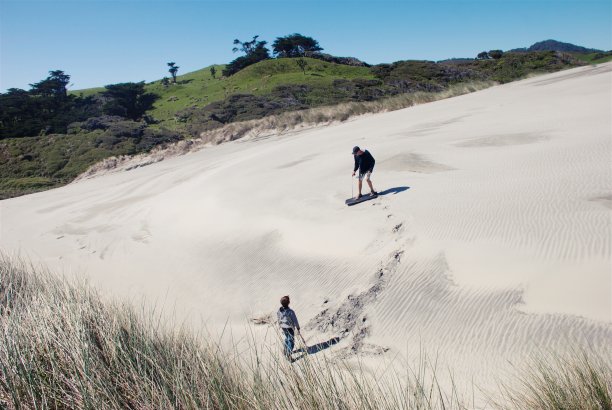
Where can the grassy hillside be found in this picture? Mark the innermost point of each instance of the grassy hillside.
(198, 103)
(198, 88)
(47, 163)
(33, 164)
(323, 81)
(86, 92)
(594, 58)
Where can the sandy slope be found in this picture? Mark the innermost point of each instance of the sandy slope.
(493, 237)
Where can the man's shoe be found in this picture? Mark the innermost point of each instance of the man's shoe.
(374, 193)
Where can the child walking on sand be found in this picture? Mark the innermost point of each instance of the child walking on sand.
(288, 321)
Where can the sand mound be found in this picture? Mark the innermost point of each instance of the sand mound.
(491, 236)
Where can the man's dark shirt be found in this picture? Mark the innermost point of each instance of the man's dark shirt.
(364, 162)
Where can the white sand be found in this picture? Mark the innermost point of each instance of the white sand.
(504, 232)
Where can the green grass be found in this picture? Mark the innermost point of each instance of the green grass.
(63, 347)
(11, 187)
(594, 58)
(36, 163)
(86, 92)
(198, 89)
(602, 60)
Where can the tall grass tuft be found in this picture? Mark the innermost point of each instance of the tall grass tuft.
(64, 347)
(575, 380)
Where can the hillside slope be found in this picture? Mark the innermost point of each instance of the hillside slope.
(554, 45)
(199, 103)
(199, 88)
(491, 237)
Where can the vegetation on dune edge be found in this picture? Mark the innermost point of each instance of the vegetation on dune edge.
(280, 124)
(63, 347)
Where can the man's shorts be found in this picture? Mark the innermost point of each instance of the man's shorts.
(366, 175)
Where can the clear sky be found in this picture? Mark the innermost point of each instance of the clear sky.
(103, 42)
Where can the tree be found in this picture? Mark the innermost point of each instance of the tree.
(19, 114)
(483, 56)
(213, 71)
(53, 86)
(496, 54)
(294, 45)
(45, 108)
(247, 47)
(128, 100)
(302, 64)
(165, 81)
(173, 70)
(255, 51)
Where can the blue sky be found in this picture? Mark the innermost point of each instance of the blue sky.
(104, 42)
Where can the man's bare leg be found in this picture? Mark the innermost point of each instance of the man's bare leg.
(370, 184)
(359, 185)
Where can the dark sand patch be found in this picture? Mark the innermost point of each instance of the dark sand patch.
(605, 200)
(502, 140)
(348, 318)
(428, 127)
(297, 162)
(263, 319)
(412, 162)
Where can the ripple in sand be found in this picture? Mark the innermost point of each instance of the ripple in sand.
(503, 140)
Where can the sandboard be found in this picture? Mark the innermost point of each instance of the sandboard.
(353, 201)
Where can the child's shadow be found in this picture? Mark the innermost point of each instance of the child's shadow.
(315, 348)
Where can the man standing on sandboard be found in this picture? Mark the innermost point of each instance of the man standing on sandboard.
(364, 161)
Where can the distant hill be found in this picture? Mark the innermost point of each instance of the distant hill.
(554, 45)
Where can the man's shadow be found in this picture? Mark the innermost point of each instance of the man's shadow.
(314, 348)
(394, 191)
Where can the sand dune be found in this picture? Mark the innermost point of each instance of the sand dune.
(492, 237)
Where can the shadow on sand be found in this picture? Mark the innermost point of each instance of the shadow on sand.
(314, 348)
(394, 191)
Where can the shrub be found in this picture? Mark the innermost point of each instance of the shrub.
(129, 100)
(294, 45)
(259, 53)
(496, 54)
(126, 129)
(152, 138)
(351, 61)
